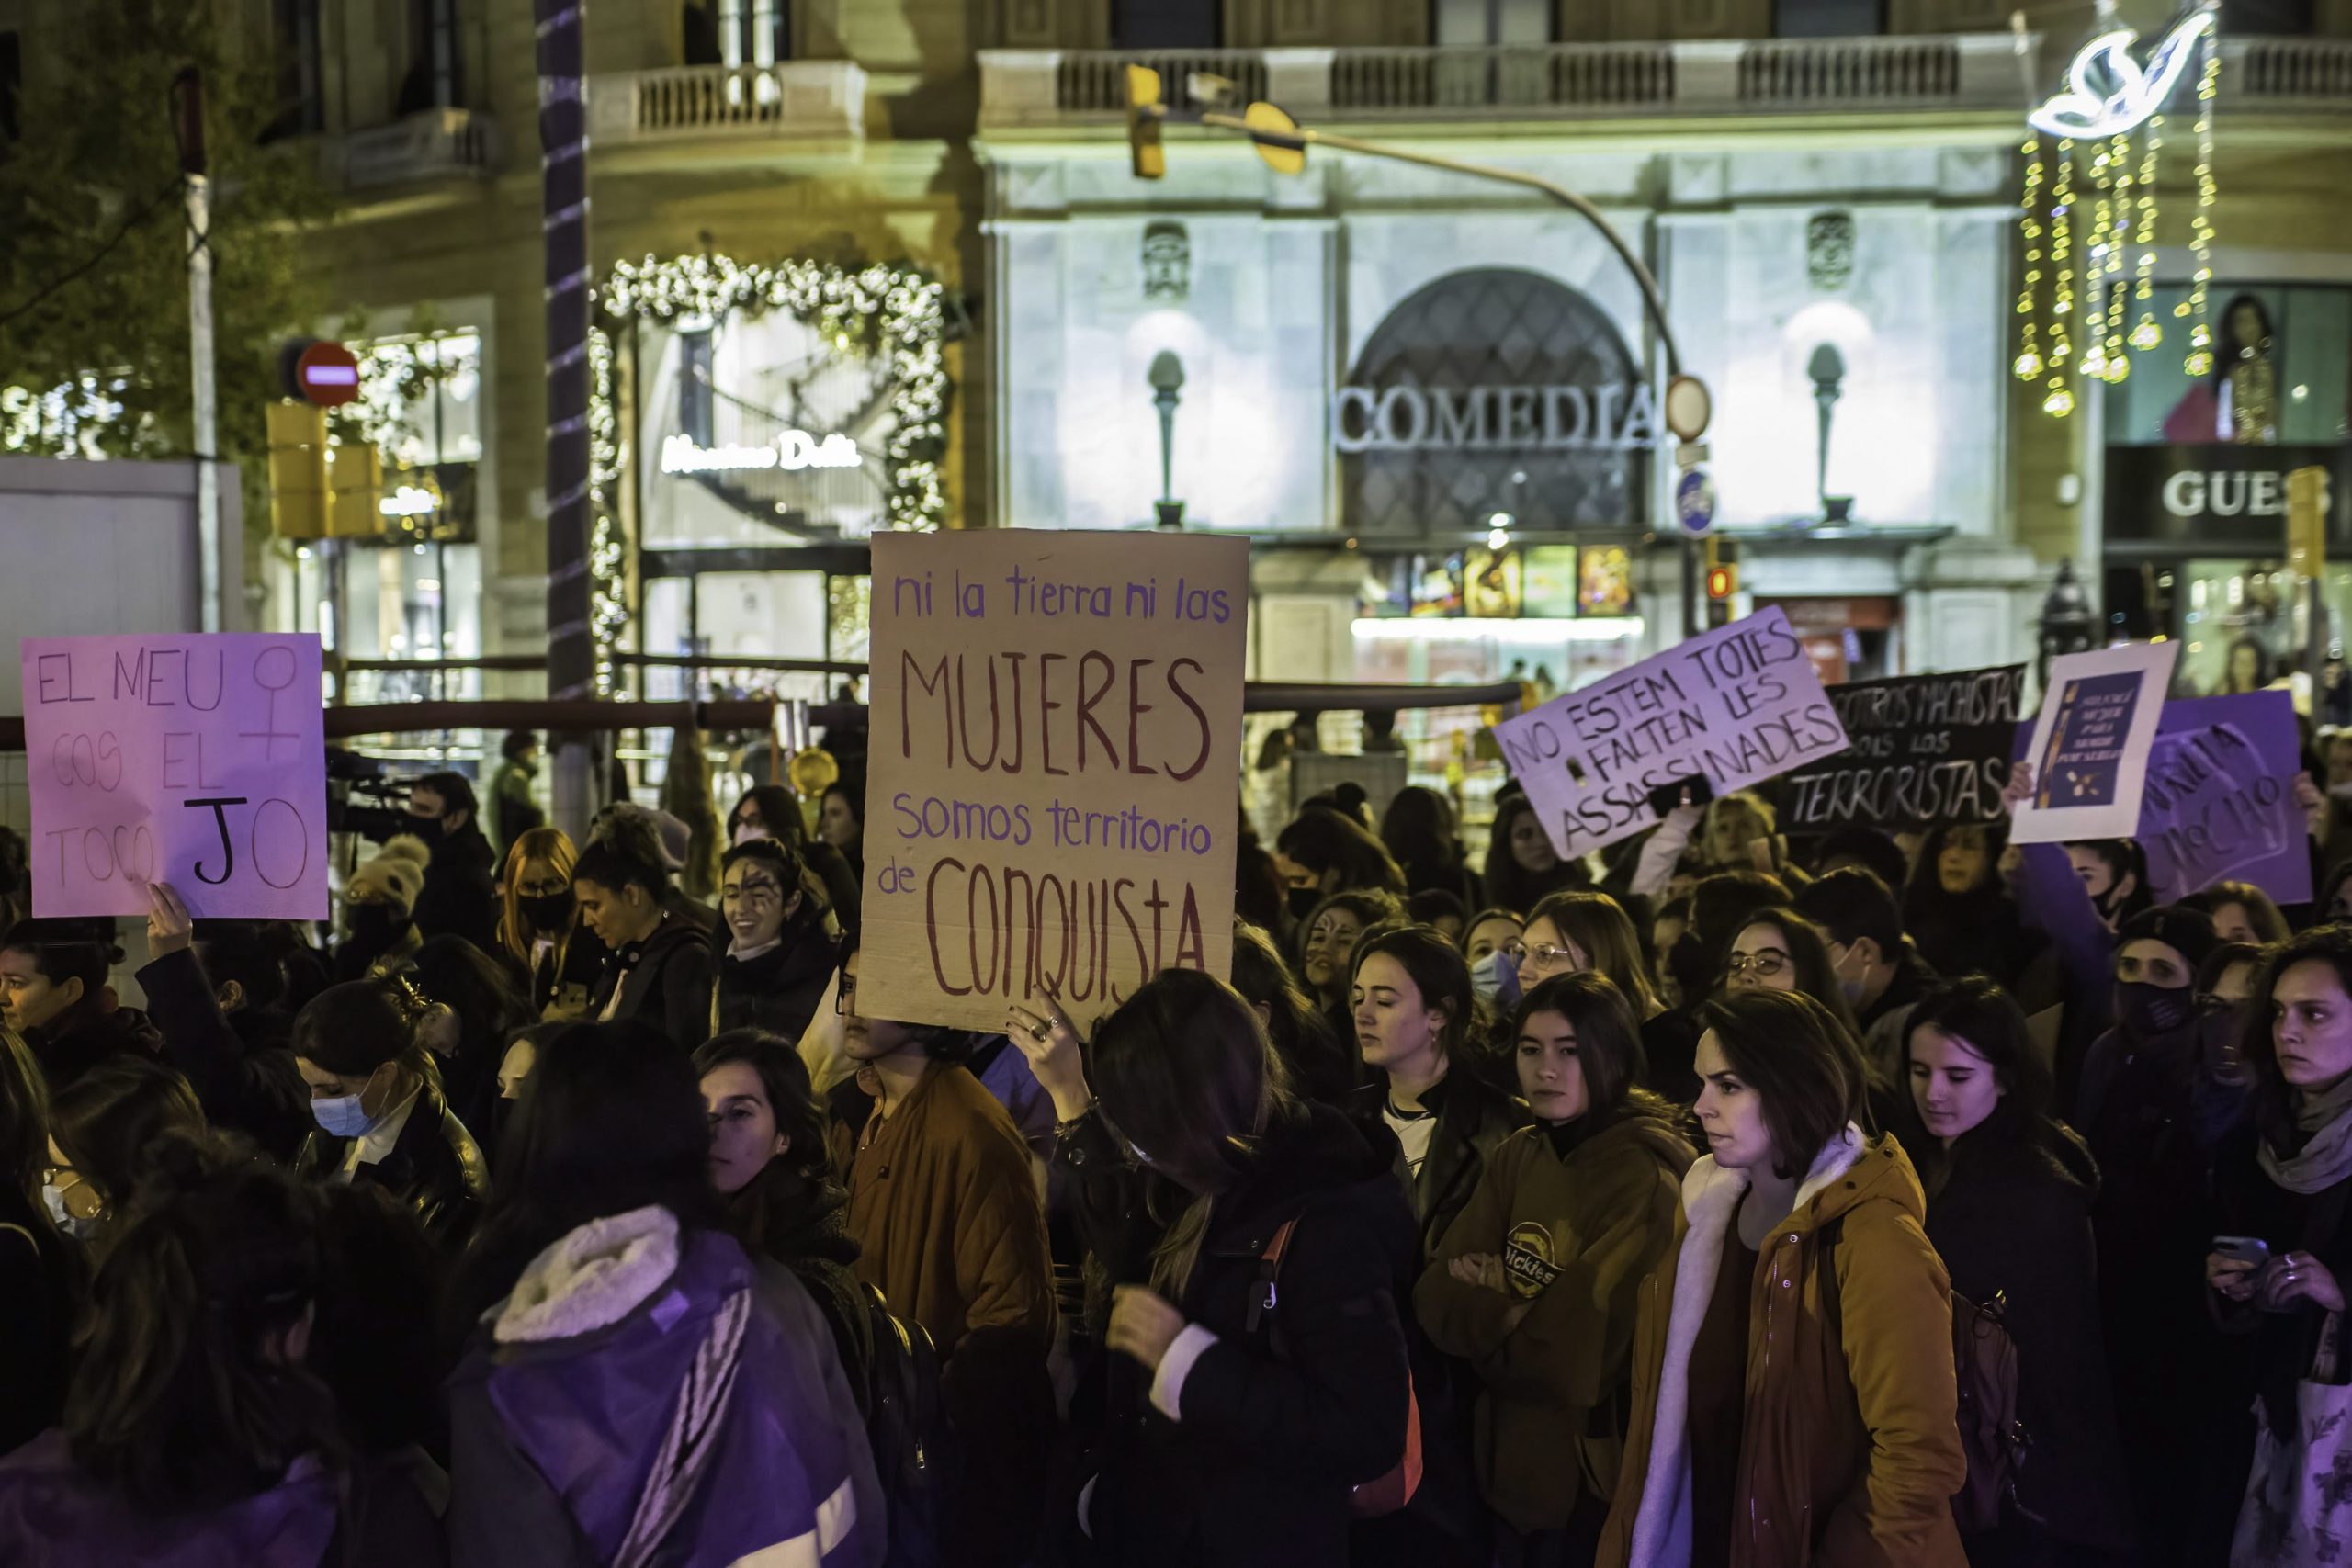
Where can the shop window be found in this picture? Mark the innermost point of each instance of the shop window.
(1828, 19)
(12, 81)
(1488, 22)
(435, 78)
(1165, 24)
(294, 48)
(2279, 379)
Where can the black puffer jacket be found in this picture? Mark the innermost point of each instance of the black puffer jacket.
(460, 896)
(1289, 1409)
(663, 980)
(1473, 1116)
(86, 1034)
(2009, 1212)
(779, 989)
(435, 1168)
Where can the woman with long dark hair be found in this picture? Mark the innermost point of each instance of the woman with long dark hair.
(195, 1432)
(1420, 834)
(2009, 1193)
(2279, 1270)
(1536, 1284)
(1415, 1031)
(1960, 916)
(383, 1117)
(1521, 865)
(1568, 932)
(476, 1014)
(53, 993)
(632, 1382)
(658, 966)
(1327, 941)
(769, 1162)
(771, 811)
(1324, 851)
(1320, 1065)
(1260, 1370)
(1794, 1396)
(105, 1130)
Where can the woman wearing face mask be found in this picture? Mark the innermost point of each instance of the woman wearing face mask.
(1962, 919)
(768, 1161)
(1326, 938)
(1236, 1433)
(2010, 1193)
(195, 1431)
(104, 1130)
(1320, 1065)
(539, 931)
(658, 964)
(1522, 865)
(779, 954)
(1325, 852)
(376, 1093)
(53, 993)
(771, 811)
(1487, 942)
(1410, 998)
(379, 901)
(1568, 932)
(1794, 1398)
(2143, 1108)
(1536, 1283)
(37, 1272)
(2284, 1182)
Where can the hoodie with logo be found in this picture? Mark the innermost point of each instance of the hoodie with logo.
(1580, 1214)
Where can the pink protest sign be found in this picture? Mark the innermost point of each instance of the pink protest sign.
(199, 761)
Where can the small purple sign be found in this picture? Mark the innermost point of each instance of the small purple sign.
(2219, 803)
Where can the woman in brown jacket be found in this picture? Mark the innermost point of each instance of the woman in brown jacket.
(1794, 1398)
(1536, 1283)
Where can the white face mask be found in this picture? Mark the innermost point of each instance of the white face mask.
(340, 1116)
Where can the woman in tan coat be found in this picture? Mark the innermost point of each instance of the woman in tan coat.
(1793, 1398)
(1536, 1283)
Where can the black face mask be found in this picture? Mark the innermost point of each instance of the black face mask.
(1303, 901)
(2148, 1013)
(377, 925)
(547, 912)
(428, 827)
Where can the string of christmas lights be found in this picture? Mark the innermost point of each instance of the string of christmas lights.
(2029, 230)
(2199, 363)
(2061, 400)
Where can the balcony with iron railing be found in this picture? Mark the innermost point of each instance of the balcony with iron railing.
(799, 100)
(1991, 74)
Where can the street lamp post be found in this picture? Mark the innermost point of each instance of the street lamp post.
(1167, 378)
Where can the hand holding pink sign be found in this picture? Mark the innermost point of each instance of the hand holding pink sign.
(197, 761)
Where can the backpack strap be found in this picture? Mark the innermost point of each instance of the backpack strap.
(1266, 1293)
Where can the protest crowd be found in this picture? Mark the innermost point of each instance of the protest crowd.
(1727, 1194)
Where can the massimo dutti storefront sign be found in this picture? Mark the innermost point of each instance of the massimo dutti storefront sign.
(1493, 390)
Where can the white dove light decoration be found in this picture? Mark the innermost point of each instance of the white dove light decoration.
(2109, 93)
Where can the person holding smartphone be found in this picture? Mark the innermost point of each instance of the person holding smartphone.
(2280, 1268)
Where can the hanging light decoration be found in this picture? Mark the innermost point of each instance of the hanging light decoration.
(2090, 257)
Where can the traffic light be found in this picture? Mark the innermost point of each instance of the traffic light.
(355, 474)
(1144, 112)
(298, 470)
(2309, 500)
(1723, 580)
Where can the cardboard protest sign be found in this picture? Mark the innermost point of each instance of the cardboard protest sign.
(1052, 769)
(2220, 801)
(199, 761)
(1734, 706)
(1927, 750)
(2090, 743)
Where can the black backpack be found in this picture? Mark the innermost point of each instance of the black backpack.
(906, 1424)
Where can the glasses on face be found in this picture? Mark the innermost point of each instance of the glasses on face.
(1545, 955)
(82, 1201)
(1763, 965)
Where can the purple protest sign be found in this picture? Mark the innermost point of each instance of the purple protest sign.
(199, 761)
(2219, 804)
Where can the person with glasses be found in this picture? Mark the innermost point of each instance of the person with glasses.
(777, 931)
(103, 1131)
(947, 1213)
(1590, 932)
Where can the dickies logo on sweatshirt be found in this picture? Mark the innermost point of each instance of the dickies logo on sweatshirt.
(1526, 1259)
